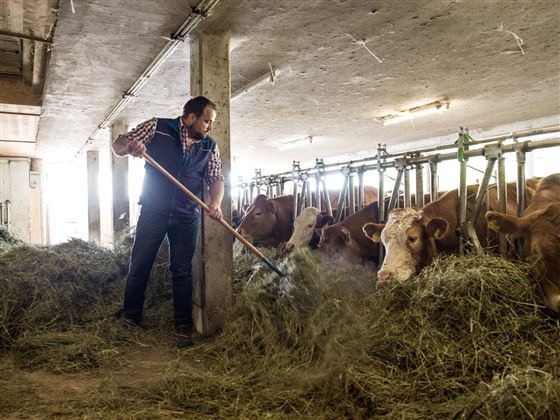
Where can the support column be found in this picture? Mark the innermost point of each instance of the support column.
(119, 176)
(94, 214)
(213, 262)
(38, 208)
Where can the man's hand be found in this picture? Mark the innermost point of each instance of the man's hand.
(215, 212)
(135, 148)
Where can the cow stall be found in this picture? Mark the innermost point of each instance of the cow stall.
(304, 181)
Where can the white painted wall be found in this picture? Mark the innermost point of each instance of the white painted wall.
(15, 186)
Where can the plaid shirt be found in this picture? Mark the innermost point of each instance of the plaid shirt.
(145, 131)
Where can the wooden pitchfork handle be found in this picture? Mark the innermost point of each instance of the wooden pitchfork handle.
(202, 204)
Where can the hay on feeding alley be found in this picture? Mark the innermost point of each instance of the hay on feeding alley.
(59, 305)
(323, 343)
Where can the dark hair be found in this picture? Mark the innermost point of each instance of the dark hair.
(197, 105)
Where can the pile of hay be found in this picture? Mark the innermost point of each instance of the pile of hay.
(467, 338)
(8, 239)
(246, 266)
(59, 304)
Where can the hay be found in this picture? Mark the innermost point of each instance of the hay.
(467, 338)
(59, 304)
(247, 266)
(8, 239)
(325, 344)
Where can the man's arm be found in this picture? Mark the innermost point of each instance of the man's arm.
(216, 196)
(215, 179)
(134, 142)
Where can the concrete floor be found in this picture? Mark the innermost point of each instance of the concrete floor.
(329, 86)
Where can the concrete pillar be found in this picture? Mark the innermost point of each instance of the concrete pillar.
(213, 267)
(38, 208)
(14, 186)
(119, 174)
(94, 215)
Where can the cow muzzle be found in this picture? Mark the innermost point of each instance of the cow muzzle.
(289, 247)
(383, 277)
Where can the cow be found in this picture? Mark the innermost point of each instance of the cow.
(346, 237)
(269, 221)
(414, 237)
(305, 229)
(539, 225)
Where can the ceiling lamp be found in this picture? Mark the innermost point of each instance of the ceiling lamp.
(418, 111)
(292, 144)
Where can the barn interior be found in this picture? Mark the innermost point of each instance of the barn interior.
(369, 92)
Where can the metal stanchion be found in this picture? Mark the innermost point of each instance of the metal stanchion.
(295, 179)
(462, 146)
(502, 199)
(381, 153)
(351, 207)
(361, 199)
(433, 162)
(320, 165)
(342, 196)
(419, 186)
(396, 189)
(406, 181)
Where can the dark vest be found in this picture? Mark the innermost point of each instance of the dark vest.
(160, 194)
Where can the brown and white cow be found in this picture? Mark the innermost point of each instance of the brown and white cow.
(414, 237)
(305, 229)
(268, 221)
(540, 227)
(346, 240)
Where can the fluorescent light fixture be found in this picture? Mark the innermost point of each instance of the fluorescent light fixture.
(292, 144)
(418, 111)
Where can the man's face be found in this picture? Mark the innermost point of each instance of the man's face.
(199, 127)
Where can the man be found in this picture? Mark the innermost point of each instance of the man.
(182, 146)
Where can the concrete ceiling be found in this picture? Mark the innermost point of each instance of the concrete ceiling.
(340, 64)
(26, 28)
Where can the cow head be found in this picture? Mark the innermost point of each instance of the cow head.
(336, 240)
(260, 218)
(410, 242)
(305, 228)
(541, 231)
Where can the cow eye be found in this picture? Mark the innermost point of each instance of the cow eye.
(309, 226)
(412, 239)
(258, 213)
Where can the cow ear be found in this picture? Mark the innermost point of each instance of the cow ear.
(503, 223)
(373, 231)
(272, 206)
(346, 234)
(324, 220)
(437, 227)
(319, 231)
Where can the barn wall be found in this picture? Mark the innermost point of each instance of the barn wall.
(23, 188)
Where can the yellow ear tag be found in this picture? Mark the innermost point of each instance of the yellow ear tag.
(493, 225)
(376, 237)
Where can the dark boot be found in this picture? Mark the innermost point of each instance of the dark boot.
(184, 336)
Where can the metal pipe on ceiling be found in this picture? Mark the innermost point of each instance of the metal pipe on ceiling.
(198, 13)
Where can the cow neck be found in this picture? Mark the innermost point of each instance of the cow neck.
(446, 208)
(284, 217)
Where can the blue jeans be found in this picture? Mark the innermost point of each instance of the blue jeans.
(150, 232)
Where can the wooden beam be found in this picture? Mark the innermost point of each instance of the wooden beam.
(23, 36)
